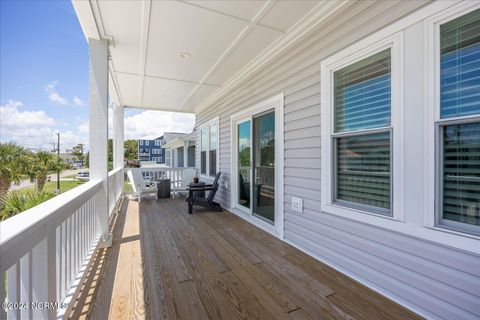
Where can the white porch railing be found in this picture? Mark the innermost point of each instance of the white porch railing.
(172, 173)
(115, 188)
(45, 251)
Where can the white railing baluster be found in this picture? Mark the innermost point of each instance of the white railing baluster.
(13, 290)
(3, 295)
(51, 272)
(25, 284)
(58, 266)
(40, 281)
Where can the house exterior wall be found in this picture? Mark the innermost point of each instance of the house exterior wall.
(436, 281)
(151, 150)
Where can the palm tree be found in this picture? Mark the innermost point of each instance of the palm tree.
(14, 165)
(44, 162)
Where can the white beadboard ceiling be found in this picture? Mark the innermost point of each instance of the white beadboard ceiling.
(223, 38)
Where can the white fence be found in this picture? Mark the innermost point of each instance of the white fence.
(45, 251)
(158, 173)
(115, 188)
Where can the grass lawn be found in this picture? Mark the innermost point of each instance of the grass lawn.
(52, 185)
(127, 187)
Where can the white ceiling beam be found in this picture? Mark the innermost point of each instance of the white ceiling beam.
(260, 14)
(233, 16)
(144, 33)
(314, 18)
(165, 78)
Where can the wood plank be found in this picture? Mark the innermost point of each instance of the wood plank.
(299, 314)
(166, 264)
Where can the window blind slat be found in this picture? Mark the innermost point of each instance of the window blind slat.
(358, 88)
(363, 169)
(460, 66)
(461, 173)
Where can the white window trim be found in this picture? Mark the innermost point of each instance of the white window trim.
(432, 116)
(346, 57)
(212, 122)
(277, 103)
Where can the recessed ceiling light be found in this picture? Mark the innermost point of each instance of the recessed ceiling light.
(185, 55)
(164, 96)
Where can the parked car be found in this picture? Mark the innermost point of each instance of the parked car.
(83, 176)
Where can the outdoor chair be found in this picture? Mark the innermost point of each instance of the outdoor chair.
(195, 198)
(139, 185)
(186, 179)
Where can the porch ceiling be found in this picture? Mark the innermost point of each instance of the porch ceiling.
(223, 42)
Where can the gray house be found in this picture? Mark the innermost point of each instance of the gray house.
(347, 135)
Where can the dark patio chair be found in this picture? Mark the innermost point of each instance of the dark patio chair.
(195, 197)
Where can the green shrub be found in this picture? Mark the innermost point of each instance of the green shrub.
(16, 202)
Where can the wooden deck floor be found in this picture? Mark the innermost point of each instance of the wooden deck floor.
(166, 264)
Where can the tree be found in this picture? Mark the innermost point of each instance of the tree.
(131, 149)
(44, 162)
(14, 163)
(77, 153)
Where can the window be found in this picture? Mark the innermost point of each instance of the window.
(141, 142)
(147, 142)
(458, 124)
(160, 151)
(361, 130)
(160, 159)
(213, 150)
(157, 143)
(362, 134)
(203, 150)
(208, 148)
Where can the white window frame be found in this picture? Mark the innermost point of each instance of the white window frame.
(212, 122)
(140, 142)
(157, 143)
(433, 122)
(161, 160)
(276, 103)
(354, 53)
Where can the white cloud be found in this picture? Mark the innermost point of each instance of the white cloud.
(34, 129)
(151, 124)
(77, 101)
(57, 99)
(53, 95)
(28, 128)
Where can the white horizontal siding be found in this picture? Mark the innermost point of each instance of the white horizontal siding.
(435, 280)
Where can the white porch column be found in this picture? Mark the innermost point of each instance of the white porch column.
(118, 136)
(185, 153)
(98, 104)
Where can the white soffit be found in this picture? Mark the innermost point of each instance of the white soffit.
(225, 41)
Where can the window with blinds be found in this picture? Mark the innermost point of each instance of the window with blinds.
(213, 151)
(203, 150)
(460, 122)
(460, 66)
(362, 134)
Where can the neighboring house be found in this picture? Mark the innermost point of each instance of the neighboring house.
(180, 149)
(151, 150)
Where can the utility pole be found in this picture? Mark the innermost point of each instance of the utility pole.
(58, 161)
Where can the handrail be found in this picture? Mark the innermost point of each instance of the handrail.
(114, 171)
(21, 232)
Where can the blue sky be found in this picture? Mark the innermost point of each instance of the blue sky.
(44, 78)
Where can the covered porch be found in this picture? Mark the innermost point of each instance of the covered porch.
(167, 264)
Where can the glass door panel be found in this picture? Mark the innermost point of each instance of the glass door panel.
(244, 163)
(264, 166)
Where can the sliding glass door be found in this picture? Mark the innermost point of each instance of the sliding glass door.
(264, 166)
(244, 143)
(256, 165)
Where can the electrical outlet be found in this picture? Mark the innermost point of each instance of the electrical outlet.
(297, 204)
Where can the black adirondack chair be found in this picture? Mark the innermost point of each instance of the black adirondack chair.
(206, 202)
